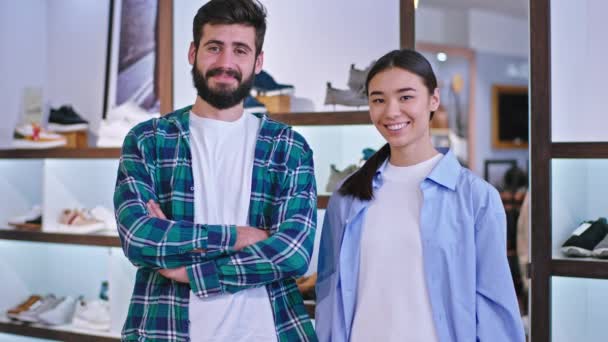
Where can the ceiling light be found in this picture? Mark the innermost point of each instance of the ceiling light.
(442, 57)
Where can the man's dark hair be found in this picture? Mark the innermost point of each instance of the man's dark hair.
(226, 12)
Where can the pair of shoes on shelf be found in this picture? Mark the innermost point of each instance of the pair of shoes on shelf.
(32, 136)
(30, 221)
(65, 119)
(355, 95)
(590, 239)
(85, 221)
(49, 310)
(264, 84)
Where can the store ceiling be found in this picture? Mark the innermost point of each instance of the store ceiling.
(518, 8)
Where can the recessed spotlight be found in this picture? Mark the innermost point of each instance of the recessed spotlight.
(442, 57)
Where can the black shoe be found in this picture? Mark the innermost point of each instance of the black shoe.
(65, 119)
(584, 239)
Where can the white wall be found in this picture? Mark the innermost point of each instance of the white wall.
(23, 57)
(77, 36)
(442, 26)
(578, 70)
(500, 34)
(480, 30)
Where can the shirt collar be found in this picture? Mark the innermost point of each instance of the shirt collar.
(445, 173)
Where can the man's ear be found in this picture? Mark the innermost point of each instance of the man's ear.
(259, 62)
(192, 53)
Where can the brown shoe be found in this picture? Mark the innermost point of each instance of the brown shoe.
(14, 312)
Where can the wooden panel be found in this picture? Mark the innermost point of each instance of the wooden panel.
(580, 150)
(165, 55)
(72, 239)
(62, 153)
(59, 335)
(322, 202)
(587, 268)
(324, 118)
(407, 24)
(540, 141)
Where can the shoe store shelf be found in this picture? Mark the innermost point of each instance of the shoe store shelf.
(580, 268)
(72, 239)
(67, 153)
(323, 118)
(52, 334)
(322, 201)
(579, 150)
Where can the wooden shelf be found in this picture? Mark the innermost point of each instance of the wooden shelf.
(52, 334)
(579, 150)
(580, 268)
(324, 118)
(322, 201)
(72, 239)
(68, 153)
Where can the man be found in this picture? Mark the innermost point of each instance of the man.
(217, 208)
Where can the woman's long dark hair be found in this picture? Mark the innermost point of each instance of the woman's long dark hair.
(359, 184)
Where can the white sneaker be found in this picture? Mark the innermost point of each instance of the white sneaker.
(106, 216)
(62, 313)
(27, 137)
(93, 315)
(130, 112)
(119, 121)
(43, 305)
(79, 222)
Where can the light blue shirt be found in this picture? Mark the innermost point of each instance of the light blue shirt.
(463, 233)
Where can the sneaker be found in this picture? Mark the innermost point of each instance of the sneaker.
(65, 119)
(31, 315)
(22, 307)
(357, 78)
(62, 313)
(254, 106)
(350, 98)
(601, 249)
(32, 220)
(585, 238)
(79, 222)
(264, 84)
(34, 137)
(118, 122)
(92, 314)
(106, 216)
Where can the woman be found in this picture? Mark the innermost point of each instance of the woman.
(413, 244)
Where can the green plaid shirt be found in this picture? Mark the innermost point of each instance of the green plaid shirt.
(156, 164)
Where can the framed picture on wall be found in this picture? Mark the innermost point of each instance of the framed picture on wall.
(494, 171)
(509, 116)
(133, 51)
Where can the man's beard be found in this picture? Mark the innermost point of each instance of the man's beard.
(224, 97)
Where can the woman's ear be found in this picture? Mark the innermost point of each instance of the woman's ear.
(434, 101)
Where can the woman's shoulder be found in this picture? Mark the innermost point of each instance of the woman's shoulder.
(480, 191)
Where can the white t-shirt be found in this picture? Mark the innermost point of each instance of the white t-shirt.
(222, 166)
(392, 297)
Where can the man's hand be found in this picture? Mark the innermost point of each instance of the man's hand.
(246, 236)
(178, 274)
(154, 210)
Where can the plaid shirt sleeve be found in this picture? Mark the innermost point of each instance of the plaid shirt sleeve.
(153, 242)
(285, 254)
